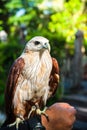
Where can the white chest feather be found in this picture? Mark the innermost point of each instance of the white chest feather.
(34, 81)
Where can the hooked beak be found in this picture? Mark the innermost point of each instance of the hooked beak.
(46, 46)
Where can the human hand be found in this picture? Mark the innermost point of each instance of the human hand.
(61, 117)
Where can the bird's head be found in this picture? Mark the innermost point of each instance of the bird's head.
(38, 43)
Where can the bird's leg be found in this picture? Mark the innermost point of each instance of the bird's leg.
(41, 112)
(33, 108)
(18, 120)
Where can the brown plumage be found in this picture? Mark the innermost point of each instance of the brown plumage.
(33, 78)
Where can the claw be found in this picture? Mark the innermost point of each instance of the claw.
(18, 120)
(32, 109)
(39, 112)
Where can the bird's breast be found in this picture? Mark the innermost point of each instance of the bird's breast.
(38, 68)
(36, 76)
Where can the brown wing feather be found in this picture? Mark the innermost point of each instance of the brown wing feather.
(11, 84)
(53, 83)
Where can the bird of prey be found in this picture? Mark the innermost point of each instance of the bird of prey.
(32, 79)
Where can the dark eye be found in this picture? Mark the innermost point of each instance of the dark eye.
(37, 42)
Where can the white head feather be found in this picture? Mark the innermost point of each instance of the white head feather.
(38, 43)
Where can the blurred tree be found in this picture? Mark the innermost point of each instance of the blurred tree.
(4, 15)
(77, 65)
(69, 19)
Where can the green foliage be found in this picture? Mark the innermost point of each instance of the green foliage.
(3, 15)
(69, 20)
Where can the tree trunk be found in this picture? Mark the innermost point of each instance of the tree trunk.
(77, 68)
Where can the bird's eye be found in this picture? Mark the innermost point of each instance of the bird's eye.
(37, 42)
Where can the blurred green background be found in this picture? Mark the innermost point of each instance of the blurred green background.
(57, 20)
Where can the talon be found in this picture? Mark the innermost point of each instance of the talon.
(32, 109)
(39, 112)
(17, 122)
